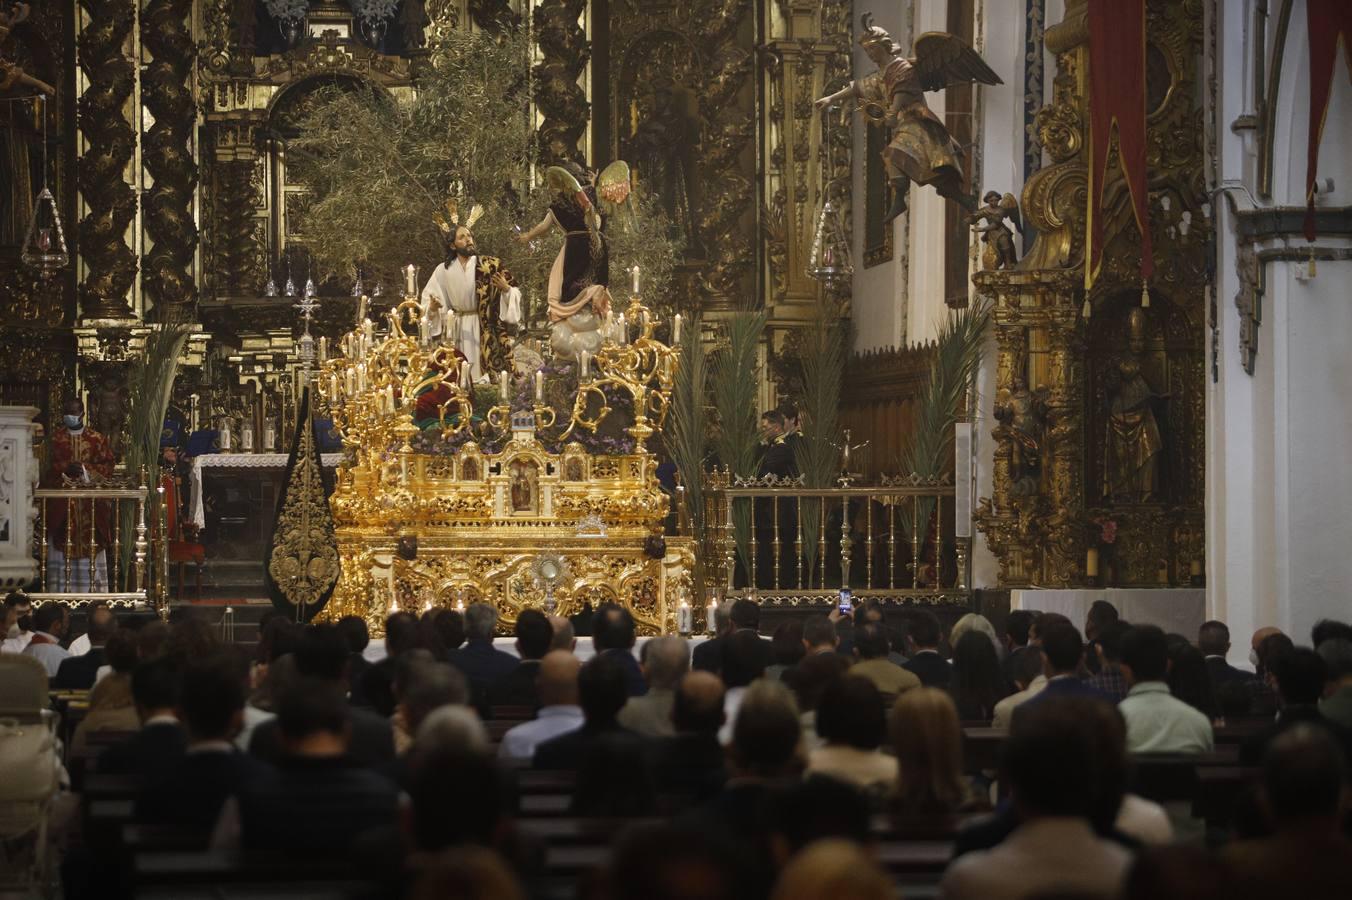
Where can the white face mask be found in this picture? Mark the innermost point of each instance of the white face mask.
(1253, 657)
(73, 422)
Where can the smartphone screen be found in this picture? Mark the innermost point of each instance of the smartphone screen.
(846, 603)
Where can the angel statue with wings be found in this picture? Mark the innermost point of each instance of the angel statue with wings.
(578, 292)
(989, 222)
(921, 149)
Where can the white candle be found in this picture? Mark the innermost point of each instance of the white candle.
(676, 329)
(503, 384)
(351, 383)
(411, 280)
(361, 377)
(323, 349)
(333, 387)
(684, 619)
(710, 616)
(424, 331)
(539, 386)
(584, 367)
(622, 330)
(633, 274)
(368, 329)
(389, 399)
(465, 374)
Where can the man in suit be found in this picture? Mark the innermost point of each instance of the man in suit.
(1213, 639)
(1062, 656)
(533, 637)
(1017, 624)
(708, 655)
(665, 662)
(891, 680)
(78, 673)
(771, 518)
(690, 762)
(192, 791)
(602, 694)
(482, 663)
(1304, 786)
(743, 664)
(1300, 674)
(160, 742)
(926, 663)
(613, 636)
(321, 657)
(319, 799)
(375, 683)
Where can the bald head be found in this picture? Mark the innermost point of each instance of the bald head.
(1261, 634)
(699, 704)
(666, 660)
(558, 678)
(564, 638)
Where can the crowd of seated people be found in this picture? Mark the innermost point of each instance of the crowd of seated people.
(750, 768)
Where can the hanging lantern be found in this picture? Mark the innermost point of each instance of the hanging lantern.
(44, 248)
(830, 257)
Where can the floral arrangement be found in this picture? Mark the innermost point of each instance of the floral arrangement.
(374, 10)
(288, 10)
(1107, 529)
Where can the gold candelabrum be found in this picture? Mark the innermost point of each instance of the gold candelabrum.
(417, 528)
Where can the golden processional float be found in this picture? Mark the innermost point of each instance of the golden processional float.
(535, 490)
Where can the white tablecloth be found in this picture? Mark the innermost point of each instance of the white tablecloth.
(1178, 610)
(239, 461)
(375, 651)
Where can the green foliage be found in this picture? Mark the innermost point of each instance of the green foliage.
(687, 435)
(380, 170)
(150, 383)
(958, 355)
(737, 437)
(817, 455)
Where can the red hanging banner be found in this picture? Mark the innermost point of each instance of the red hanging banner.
(1116, 98)
(1330, 23)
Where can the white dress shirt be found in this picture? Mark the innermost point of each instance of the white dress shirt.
(519, 743)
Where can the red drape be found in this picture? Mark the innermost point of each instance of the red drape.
(1330, 23)
(1116, 98)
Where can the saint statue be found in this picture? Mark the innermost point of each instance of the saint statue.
(579, 281)
(921, 149)
(1022, 415)
(469, 299)
(78, 455)
(989, 222)
(1132, 446)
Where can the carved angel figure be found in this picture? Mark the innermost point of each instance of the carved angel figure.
(989, 222)
(578, 292)
(921, 149)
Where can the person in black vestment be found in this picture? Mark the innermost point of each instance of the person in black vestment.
(191, 792)
(322, 656)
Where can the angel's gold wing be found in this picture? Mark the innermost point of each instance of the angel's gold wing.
(612, 185)
(943, 59)
(561, 181)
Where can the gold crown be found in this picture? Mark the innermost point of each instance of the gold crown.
(449, 222)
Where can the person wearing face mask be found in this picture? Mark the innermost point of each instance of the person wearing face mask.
(469, 299)
(78, 455)
(18, 623)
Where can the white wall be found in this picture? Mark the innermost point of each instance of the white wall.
(1279, 471)
(879, 301)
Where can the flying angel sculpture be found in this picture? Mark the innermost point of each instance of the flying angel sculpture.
(920, 150)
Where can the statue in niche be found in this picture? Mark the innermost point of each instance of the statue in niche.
(989, 222)
(1022, 415)
(1132, 446)
(663, 149)
(523, 486)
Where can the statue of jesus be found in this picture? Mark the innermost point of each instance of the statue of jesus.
(458, 303)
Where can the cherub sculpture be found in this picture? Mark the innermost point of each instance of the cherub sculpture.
(989, 222)
(921, 149)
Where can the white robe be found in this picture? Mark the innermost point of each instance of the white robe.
(456, 321)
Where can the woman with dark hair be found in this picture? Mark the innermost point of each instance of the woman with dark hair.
(978, 682)
(1189, 680)
(786, 648)
(850, 719)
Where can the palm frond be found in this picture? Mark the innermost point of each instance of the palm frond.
(957, 356)
(818, 458)
(688, 434)
(737, 438)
